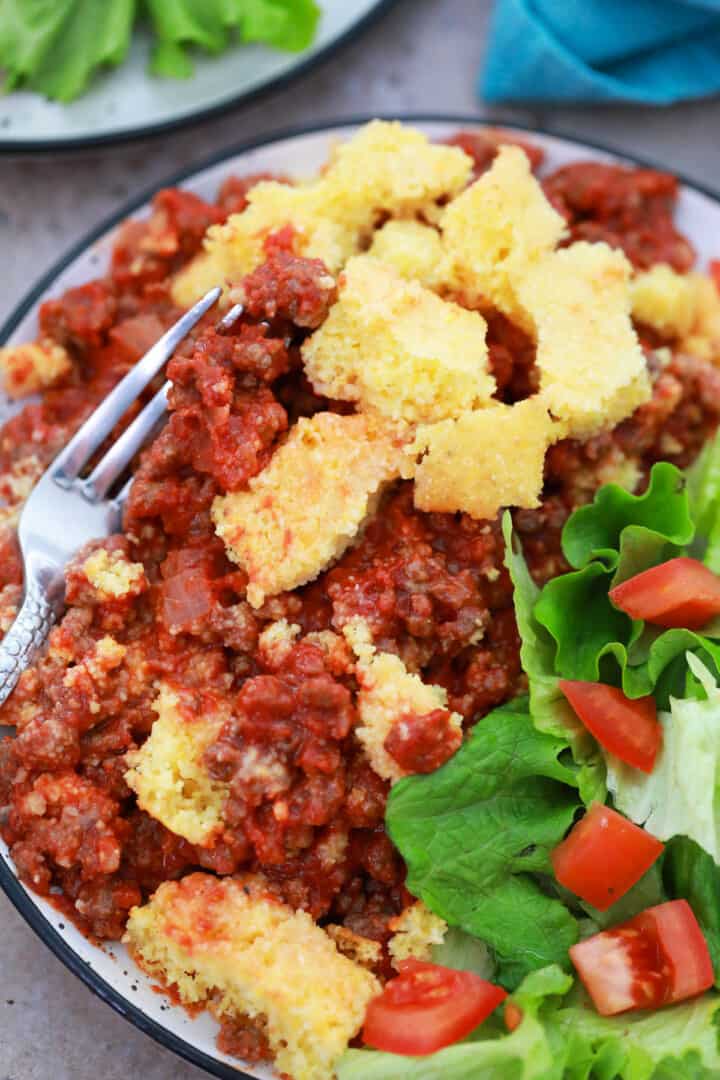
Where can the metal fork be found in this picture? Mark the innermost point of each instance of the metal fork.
(65, 511)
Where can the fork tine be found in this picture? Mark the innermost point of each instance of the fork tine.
(121, 497)
(121, 453)
(97, 427)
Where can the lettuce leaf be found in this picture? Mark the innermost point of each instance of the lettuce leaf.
(464, 953)
(681, 796)
(475, 833)
(703, 488)
(55, 46)
(561, 1037)
(570, 629)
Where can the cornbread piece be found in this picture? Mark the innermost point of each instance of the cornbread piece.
(664, 300)
(306, 506)
(593, 372)
(167, 772)
(398, 349)
(414, 250)
(703, 338)
(227, 943)
(32, 367)
(484, 460)
(415, 930)
(496, 229)
(362, 950)
(385, 169)
(112, 575)
(388, 694)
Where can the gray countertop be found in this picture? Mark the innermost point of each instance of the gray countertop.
(423, 56)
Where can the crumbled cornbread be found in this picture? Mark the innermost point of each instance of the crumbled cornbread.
(664, 300)
(384, 169)
(167, 772)
(414, 250)
(398, 349)
(277, 640)
(32, 367)
(95, 671)
(593, 371)
(227, 943)
(388, 692)
(112, 574)
(415, 930)
(496, 229)
(484, 460)
(703, 338)
(306, 506)
(361, 950)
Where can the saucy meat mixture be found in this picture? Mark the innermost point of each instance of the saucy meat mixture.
(304, 807)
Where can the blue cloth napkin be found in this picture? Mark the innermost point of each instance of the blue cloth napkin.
(654, 52)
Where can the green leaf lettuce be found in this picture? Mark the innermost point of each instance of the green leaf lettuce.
(475, 833)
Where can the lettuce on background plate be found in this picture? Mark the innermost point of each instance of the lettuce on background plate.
(56, 46)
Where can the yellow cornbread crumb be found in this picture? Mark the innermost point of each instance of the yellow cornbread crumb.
(277, 640)
(703, 337)
(484, 460)
(32, 367)
(664, 300)
(415, 930)
(225, 942)
(497, 228)
(112, 575)
(360, 949)
(305, 507)
(387, 692)
(397, 348)
(384, 169)
(167, 772)
(414, 250)
(593, 372)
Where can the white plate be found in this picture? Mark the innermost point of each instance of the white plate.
(127, 102)
(109, 972)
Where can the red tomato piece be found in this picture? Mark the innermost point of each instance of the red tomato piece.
(427, 1007)
(603, 856)
(626, 728)
(655, 959)
(715, 272)
(681, 592)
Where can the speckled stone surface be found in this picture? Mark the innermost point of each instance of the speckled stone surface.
(423, 56)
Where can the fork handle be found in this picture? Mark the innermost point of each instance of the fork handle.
(31, 627)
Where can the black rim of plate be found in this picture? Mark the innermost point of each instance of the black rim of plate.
(10, 885)
(246, 97)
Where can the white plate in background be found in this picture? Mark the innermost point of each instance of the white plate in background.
(127, 101)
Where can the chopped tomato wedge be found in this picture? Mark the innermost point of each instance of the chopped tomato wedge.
(603, 856)
(427, 1007)
(513, 1016)
(655, 959)
(626, 728)
(681, 592)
